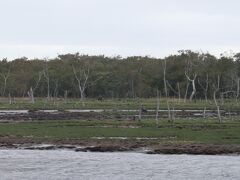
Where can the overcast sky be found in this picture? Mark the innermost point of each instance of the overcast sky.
(45, 28)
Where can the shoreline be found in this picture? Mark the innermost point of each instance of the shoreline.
(116, 145)
(26, 115)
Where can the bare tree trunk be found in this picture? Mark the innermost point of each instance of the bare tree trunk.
(5, 77)
(140, 113)
(46, 75)
(65, 96)
(81, 83)
(9, 98)
(82, 95)
(164, 78)
(173, 114)
(204, 113)
(194, 90)
(219, 114)
(4, 86)
(55, 92)
(169, 111)
(32, 90)
(238, 88)
(206, 90)
(215, 100)
(193, 85)
(165, 87)
(186, 92)
(31, 95)
(157, 110)
(179, 93)
(218, 108)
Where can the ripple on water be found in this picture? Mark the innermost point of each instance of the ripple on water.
(64, 164)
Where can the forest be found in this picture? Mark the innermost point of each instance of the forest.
(186, 75)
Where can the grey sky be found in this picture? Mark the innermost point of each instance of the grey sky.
(45, 28)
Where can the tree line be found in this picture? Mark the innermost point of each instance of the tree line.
(186, 75)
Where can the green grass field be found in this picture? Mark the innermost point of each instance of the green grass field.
(149, 103)
(197, 131)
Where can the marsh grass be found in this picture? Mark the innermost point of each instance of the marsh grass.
(123, 103)
(197, 131)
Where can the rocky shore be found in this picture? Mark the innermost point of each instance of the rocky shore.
(113, 145)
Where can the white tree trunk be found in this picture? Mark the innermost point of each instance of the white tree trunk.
(186, 93)
(82, 79)
(157, 110)
(46, 75)
(215, 100)
(169, 111)
(164, 78)
(31, 95)
(140, 113)
(179, 93)
(238, 88)
(193, 85)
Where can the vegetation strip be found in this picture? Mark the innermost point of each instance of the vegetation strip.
(181, 136)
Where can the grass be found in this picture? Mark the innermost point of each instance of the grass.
(197, 131)
(124, 103)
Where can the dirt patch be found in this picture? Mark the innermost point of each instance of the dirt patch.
(52, 116)
(207, 149)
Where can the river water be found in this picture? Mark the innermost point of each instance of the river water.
(64, 164)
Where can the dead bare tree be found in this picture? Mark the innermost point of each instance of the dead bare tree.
(32, 89)
(5, 75)
(191, 71)
(47, 78)
(215, 99)
(164, 77)
(81, 76)
(193, 85)
(165, 87)
(31, 95)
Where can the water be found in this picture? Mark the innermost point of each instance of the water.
(63, 164)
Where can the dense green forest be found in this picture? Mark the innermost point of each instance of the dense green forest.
(190, 75)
